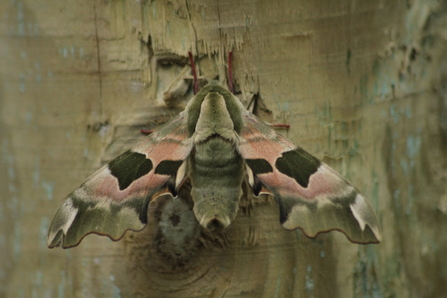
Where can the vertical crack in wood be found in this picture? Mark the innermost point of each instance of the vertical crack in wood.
(193, 28)
(99, 60)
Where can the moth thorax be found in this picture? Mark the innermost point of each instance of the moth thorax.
(214, 119)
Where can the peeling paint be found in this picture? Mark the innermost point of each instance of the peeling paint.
(28, 118)
(48, 187)
(404, 166)
(43, 230)
(64, 52)
(413, 145)
(20, 19)
(61, 286)
(39, 278)
(116, 291)
(309, 285)
(394, 114)
(278, 286)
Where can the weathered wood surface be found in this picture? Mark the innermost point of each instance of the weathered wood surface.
(360, 83)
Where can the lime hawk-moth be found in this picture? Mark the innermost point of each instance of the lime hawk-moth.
(218, 145)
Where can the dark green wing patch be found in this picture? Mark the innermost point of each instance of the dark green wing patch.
(299, 165)
(168, 167)
(129, 167)
(259, 166)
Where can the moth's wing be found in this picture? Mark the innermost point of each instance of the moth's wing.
(311, 195)
(115, 198)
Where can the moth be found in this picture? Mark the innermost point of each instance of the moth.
(218, 145)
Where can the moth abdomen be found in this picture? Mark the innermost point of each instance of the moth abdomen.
(216, 172)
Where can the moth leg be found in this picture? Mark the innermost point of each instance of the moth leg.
(194, 73)
(146, 131)
(257, 107)
(279, 125)
(230, 72)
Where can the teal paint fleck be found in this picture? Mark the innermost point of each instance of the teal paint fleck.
(20, 19)
(48, 188)
(36, 172)
(408, 113)
(39, 278)
(404, 166)
(278, 285)
(354, 150)
(309, 285)
(394, 113)
(10, 167)
(64, 52)
(116, 292)
(23, 55)
(322, 254)
(28, 118)
(283, 107)
(413, 146)
(365, 283)
(12, 187)
(43, 230)
(61, 287)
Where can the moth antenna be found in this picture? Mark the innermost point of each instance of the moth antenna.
(230, 72)
(194, 73)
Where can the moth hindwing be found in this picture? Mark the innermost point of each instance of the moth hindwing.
(217, 144)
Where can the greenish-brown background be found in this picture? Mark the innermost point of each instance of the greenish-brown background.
(361, 84)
